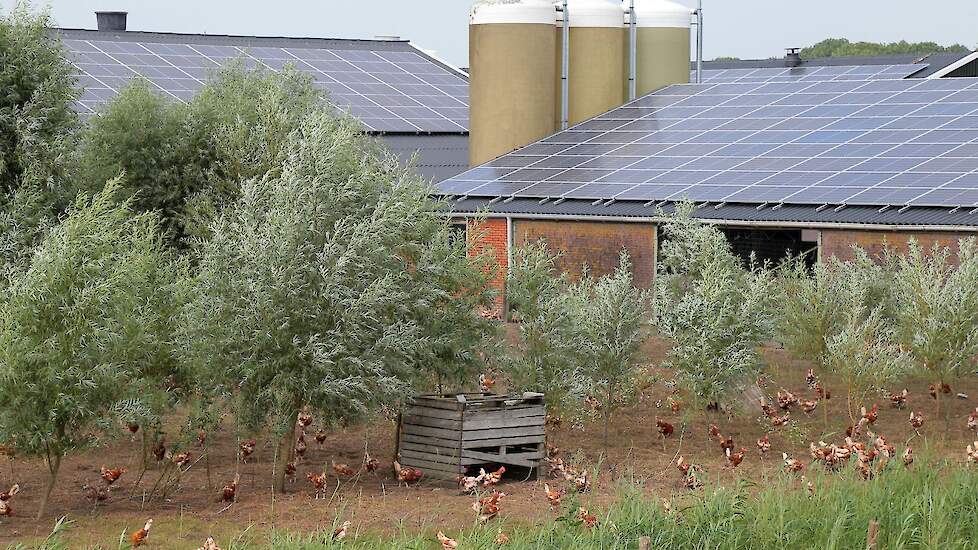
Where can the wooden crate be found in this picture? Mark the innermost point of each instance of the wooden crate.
(445, 435)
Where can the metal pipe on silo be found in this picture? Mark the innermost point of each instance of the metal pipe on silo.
(632, 51)
(663, 49)
(565, 68)
(594, 59)
(699, 42)
(512, 76)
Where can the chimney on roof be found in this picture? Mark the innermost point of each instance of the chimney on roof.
(793, 58)
(111, 20)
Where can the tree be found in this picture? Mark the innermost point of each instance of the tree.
(840, 47)
(140, 136)
(839, 315)
(717, 311)
(240, 121)
(862, 350)
(450, 287)
(612, 313)
(546, 357)
(307, 292)
(812, 309)
(37, 131)
(187, 161)
(937, 321)
(78, 328)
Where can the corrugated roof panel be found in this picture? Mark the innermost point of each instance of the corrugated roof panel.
(731, 213)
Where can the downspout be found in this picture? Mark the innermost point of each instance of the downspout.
(509, 266)
(565, 71)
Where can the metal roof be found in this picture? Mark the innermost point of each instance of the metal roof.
(930, 63)
(256, 41)
(389, 85)
(434, 157)
(730, 214)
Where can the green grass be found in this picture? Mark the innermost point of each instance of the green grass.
(926, 507)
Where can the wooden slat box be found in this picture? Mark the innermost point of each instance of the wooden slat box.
(444, 435)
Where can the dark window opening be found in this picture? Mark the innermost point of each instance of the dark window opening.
(771, 245)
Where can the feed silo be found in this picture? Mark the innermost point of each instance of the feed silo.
(595, 53)
(663, 44)
(512, 76)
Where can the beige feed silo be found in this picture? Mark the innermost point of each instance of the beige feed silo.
(596, 51)
(663, 45)
(511, 76)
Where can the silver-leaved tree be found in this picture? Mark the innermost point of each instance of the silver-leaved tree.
(80, 327)
(612, 315)
(937, 321)
(311, 285)
(837, 314)
(547, 356)
(716, 310)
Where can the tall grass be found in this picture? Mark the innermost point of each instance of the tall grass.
(925, 507)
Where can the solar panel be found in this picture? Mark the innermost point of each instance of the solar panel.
(397, 91)
(901, 142)
(809, 73)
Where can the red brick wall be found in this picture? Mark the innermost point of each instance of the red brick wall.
(839, 243)
(491, 235)
(594, 243)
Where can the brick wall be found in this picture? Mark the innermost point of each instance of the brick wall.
(491, 235)
(594, 243)
(838, 243)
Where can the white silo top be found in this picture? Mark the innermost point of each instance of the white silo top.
(595, 13)
(486, 12)
(660, 13)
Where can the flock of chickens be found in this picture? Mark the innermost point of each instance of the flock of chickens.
(487, 504)
(871, 452)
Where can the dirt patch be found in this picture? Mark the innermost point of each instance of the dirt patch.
(375, 502)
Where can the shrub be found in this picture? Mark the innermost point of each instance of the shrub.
(937, 321)
(311, 285)
(546, 357)
(611, 315)
(839, 316)
(716, 311)
(80, 328)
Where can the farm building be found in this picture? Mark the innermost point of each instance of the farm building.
(415, 103)
(784, 155)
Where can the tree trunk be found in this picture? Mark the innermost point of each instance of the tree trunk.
(54, 465)
(607, 415)
(286, 450)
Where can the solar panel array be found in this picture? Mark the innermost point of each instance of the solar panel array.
(809, 73)
(879, 142)
(393, 91)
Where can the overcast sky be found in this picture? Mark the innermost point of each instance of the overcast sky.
(740, 28)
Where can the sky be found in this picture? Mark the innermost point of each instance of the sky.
(739, 28)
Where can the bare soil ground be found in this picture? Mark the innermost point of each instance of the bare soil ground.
(375, 502)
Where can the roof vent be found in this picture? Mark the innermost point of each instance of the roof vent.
(111, 20)
(793, 58)
(388, 37)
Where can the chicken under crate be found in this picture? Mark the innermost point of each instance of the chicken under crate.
(447, 435)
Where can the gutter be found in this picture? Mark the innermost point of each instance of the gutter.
(713, 221)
